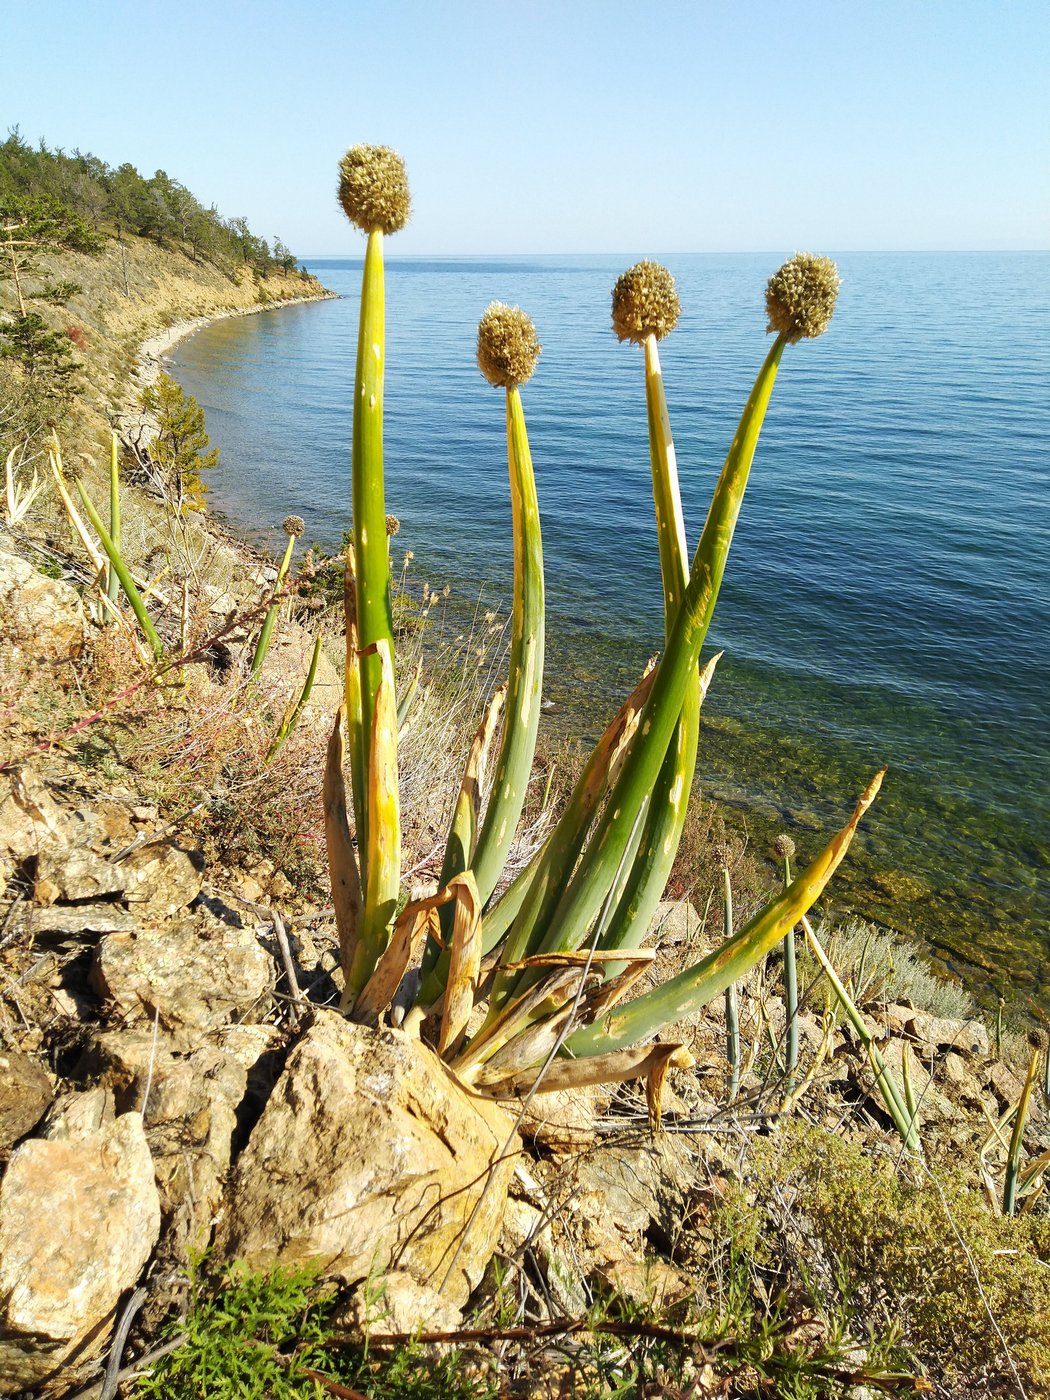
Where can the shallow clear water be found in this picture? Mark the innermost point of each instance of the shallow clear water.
(887, 598)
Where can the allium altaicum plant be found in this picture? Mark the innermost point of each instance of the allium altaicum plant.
(551, 957)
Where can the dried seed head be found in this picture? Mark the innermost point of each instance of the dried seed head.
(373, 189)
(645, 302)
(784, 846)
(393, 525)
(294, 525)
(508, 347)
(800, 297)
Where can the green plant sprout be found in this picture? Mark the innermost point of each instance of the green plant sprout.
(294, 527)
(553, 955)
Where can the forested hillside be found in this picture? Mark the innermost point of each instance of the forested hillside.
(80, 200)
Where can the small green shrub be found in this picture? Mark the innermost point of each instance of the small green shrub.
(907, 1250)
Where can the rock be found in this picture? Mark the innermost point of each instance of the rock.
(79, 1217)
(564, 1119)
(75, 875)
(25, 1095)
(526, 1228)
(72, 919)
(942, 1033)
(369, 1155)
(163, 877)
(675, 922)
(75, 1115)
(30, 820)
(634, 1188)
(649, 1282)
(399, 1305)
(44, 617)
(191, 1115)
(192, 979)
(1004, 1084)
(960, 1079)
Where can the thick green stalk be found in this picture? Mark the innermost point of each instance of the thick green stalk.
(381, 865)
(651, 870)
(116, 560)
(262, 646)
(371, 550)
(696, 986)
(674, 675)
(525, 677)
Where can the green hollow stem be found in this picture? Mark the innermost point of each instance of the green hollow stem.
(905, 1119)
(693, 988)
(732, 993)
(651, 868)
(486, 851)
(262, 646)
(112, 581)
(1013, 1156)
(371, 549)
(790, 989)
(676, 672)
(292, 718)
(116, 560)
(525, 676)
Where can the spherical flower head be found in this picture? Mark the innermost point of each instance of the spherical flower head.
(800, 297)
(645, 302)
(393, 525)
(294, 525)
(784, 846)
(508, 346)
(373, 189)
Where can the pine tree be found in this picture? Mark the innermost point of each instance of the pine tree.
(179, 450)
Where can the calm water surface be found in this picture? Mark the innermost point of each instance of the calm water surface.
(887, 599)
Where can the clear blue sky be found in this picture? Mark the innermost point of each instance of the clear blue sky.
(595, 126)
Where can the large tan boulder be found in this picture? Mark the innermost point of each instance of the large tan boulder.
(369, 1156)
(44, 617)
(79, 1216)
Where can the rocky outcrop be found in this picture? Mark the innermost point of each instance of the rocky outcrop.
(370, 1155)
(43, 617)
(79, 1217)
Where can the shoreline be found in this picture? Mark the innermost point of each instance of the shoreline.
(133, 425)
(153, 351)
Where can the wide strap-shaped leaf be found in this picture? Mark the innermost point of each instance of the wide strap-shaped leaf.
(694, 988)
(464, 961)
(459, 849)
(352, 690)
(342, 859)
(382, 863)
(413, 924)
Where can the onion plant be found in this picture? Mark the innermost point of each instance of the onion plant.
(511, 982)
(294, 526)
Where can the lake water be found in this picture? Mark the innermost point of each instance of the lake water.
(887, 599)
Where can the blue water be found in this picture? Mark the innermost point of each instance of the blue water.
(888, 593)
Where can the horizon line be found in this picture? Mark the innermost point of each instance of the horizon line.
(696, 253)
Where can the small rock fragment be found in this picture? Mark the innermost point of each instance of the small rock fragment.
(25, 1095)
